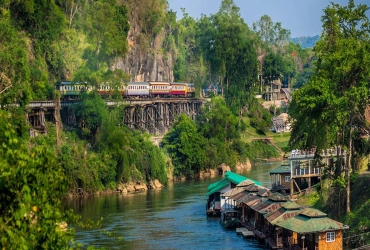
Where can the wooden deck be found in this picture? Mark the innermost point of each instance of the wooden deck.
(245, 232)
(259, 234)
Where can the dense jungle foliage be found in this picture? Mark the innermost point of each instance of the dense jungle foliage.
(81, 41)
(332, 109)
(214, 139)
(42, 42)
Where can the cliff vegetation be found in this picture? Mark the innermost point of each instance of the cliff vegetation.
(43, 42)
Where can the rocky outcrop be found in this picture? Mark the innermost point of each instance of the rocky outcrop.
(209, 173)
(146, 59)
(122, 189)
(131, 187)
(223, 168)
(140, 187)
(241, 166)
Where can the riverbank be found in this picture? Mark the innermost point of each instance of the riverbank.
(140, 186)
(171, 217)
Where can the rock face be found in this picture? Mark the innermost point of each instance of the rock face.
(240, 166)
(209, 173)
(140, 187)
(223, 168)
(131, 187)
(146, 59)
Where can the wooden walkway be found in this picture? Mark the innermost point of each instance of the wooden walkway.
(245, 232)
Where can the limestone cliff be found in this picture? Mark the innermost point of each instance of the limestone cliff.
(146, 59)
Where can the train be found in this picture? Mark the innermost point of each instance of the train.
(131, 90)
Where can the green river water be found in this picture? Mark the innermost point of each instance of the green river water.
(169, 218)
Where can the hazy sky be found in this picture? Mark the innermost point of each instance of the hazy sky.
(301, 17)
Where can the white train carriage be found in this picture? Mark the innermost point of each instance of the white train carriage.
(138, 89)
(160, 89)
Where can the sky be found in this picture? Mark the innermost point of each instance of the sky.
(301, 17)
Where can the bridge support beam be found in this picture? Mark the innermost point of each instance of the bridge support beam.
(157, 117)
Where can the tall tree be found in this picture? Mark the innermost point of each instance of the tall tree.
(235, 59)
(337, 95)
(270, 32)
(186, 147)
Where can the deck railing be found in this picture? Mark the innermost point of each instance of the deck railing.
(305, 171)
(301, 154)
(311, 153)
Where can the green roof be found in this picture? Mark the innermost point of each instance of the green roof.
(283, 168)
(213, 188)
(291, 205)
(236, 179)
(229, 177)
(311, 220)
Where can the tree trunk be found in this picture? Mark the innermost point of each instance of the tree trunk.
(338, 167)
(349, 165)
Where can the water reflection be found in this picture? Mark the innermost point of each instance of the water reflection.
(170, 218)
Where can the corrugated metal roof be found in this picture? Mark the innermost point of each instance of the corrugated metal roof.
(313, 213)
(280, 214)
(267, 206)
(238, 195)
(245, 183)
(245, 198)
(310, 223)
(282, 169)
(253, 201)
(277, 197)
(264, 192)
(252, 188)
(291, 205)
(229, 177)
(233, 191)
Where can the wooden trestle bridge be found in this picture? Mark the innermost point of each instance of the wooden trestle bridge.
(155, 116)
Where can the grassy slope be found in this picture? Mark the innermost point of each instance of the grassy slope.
(281, 140)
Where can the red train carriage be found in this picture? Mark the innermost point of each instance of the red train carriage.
(178, 89)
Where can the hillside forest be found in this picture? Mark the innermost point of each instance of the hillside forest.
(44, 42)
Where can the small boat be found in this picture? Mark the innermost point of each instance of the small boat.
(229, 219)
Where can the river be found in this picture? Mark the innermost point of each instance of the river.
(170, 218)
